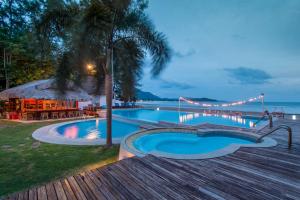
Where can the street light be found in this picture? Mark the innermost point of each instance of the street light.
(89, 67)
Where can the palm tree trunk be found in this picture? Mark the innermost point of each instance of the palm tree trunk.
(108, 91)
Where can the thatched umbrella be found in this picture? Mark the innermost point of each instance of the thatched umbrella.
(44, 89)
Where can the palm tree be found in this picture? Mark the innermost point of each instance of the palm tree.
(116, 35)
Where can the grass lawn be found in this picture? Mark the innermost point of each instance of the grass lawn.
(25, 162)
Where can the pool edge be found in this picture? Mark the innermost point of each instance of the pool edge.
(128, 150)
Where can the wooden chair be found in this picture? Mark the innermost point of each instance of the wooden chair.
(27, 116)
(70, 114)
(54, 115)
(44, 115)
(62, 114)
(24, 116)
(78, 113)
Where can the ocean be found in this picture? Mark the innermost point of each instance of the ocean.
(286, 107)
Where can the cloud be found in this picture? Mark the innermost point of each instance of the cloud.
(247, 75)
(174, 85)
(179, 54)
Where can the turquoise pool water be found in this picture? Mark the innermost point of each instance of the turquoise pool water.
(189, 118)
(185, 143)
(95, 129)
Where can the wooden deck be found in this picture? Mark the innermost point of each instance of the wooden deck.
(249, 173)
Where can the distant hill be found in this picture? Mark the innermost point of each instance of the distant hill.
(148, 96)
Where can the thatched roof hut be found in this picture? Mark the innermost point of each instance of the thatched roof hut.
(44, 89)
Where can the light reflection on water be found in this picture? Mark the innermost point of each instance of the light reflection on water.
(95, 129)
(71, 132)
(189, 118)
(93, 135)
(183, 118)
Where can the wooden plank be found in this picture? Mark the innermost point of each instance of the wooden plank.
(264, 170)
(119, 187)
(75, 187)
(199, 181)
(41, 193)
(85, 189)
(32, 194)
(113, 191)
(26, 195)
(157, 187)
(141, 178)
(273, 152)
(259, 175)
(187, 190)
(21, 196)
(13, 196)
(171, 186)
(205, 181)
(214, 181)
(275, 162)
(95, 190)
(59, 190)
(108, 194)
(51, 194)
(121, 184)
(133, 183)
(261, 185)
(68, 190)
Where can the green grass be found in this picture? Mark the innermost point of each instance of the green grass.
(25, 162)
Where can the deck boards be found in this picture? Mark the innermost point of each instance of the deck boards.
(249, 173)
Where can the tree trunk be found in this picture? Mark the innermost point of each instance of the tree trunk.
(108, 93)
(5, 69)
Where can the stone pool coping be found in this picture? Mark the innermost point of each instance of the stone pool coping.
(128, 150)
(49, 134)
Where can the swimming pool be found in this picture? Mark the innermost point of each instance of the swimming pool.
(84, 132)
(189, 118)
(181, 143)
(95, 129)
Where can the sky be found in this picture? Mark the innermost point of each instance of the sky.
(228, 50)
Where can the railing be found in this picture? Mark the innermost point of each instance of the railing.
(259, 120)
(282, 126)
(263, 117)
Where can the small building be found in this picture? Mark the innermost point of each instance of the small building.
(41, 100)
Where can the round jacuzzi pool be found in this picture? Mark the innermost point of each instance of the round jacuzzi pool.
(181, 143)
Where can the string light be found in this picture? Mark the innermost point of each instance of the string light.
(236, 103)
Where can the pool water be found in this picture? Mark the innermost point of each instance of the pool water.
(95, 129)
(189, 118)
(185, 143)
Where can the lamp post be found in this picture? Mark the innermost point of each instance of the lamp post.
(263, 101)
(179, 108)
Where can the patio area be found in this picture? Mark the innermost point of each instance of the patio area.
(249, 173)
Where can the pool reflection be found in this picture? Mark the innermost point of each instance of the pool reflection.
(71, 132)
(184, 118)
